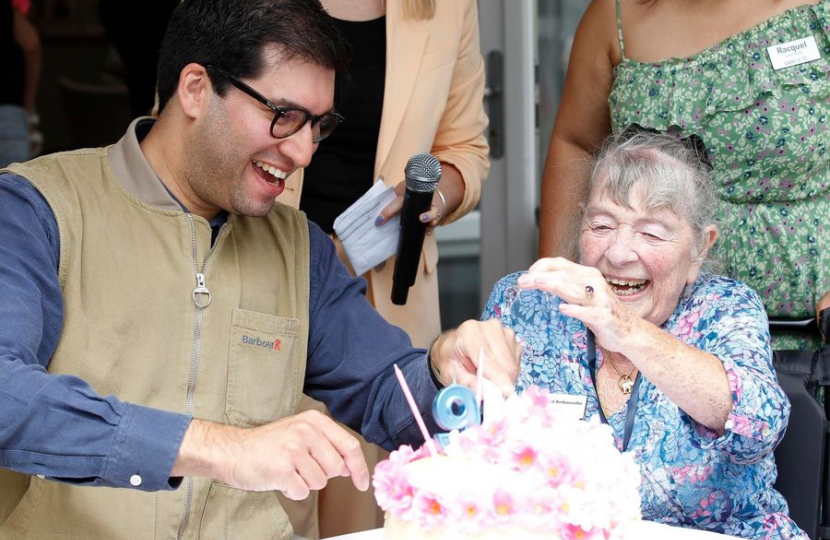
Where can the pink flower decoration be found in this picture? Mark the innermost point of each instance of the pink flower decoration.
(525, 457)
(430, 512)
(525, 466)
(503, 505)
(471, 513)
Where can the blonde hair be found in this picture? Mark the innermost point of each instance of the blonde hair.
(419, 10)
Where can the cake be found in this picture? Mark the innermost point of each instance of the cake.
(526, 472)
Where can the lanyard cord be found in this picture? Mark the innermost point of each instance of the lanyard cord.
(632, 400)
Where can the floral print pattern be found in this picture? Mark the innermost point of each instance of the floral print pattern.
(691, 476)
(768, 133)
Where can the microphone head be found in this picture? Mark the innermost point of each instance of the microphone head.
(422, 173)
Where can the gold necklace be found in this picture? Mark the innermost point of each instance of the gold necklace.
(626, 383)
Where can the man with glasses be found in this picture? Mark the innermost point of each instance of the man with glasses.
(160, 315)
(287, 121)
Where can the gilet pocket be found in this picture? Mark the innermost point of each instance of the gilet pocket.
(263, 368)
(232, 513)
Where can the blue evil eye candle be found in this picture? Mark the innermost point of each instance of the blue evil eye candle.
(455, 407)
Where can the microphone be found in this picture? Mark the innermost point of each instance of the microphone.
(423, 171)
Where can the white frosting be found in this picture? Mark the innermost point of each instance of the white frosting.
(396, 529)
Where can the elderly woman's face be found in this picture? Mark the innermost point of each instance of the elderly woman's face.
(646, 257)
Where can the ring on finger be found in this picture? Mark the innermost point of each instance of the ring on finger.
(589, 293)
(438, 215)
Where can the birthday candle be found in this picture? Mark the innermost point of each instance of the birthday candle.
(480, 377)
(415, 412)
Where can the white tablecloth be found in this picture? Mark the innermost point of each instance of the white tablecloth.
(645, 530)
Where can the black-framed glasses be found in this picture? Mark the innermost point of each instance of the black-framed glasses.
(287, 120)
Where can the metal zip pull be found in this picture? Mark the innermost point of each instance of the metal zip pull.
(199, 291)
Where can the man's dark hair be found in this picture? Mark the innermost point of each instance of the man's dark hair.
(235, 35)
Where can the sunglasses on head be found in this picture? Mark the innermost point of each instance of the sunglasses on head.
(692, 142)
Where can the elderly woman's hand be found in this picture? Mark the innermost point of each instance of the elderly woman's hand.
(691, 378)
(589, 298)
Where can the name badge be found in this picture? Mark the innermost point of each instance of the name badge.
(569, 404)
(793, 53)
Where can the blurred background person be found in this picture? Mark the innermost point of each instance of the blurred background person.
(20, 138)
(703, 67)
(417, 85)
(136, 28)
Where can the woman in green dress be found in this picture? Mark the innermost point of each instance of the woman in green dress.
(752, 79)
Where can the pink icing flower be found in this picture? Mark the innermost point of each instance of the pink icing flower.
(430, 511)
(503, 505)
(392, 488)
(576, 532)
(538, 397)
(525, 457)
(471, 513)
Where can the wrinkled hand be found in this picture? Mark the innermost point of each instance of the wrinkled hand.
(293, 455)
(455, 355)
(589, 298)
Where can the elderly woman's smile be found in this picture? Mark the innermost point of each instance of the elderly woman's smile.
(626, 287)
(646, 256)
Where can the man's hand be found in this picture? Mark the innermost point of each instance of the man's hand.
(293, 455)
(455, 355)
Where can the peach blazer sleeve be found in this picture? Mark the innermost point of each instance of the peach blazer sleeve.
(433, 102)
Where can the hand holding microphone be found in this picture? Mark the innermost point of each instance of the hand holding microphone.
(423, 171)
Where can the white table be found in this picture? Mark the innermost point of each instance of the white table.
(645, 530)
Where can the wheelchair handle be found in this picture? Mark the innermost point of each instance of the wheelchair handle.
(803, 326)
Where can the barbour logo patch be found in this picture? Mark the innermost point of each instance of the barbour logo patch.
(256, 342)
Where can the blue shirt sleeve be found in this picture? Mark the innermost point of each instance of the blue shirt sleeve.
(351, 352)
(57, 425)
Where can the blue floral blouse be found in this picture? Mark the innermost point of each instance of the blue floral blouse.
(691, 477)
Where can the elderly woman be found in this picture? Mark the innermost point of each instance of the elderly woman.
(675, 359)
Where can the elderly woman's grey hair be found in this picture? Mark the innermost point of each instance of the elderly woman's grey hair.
(670, 174)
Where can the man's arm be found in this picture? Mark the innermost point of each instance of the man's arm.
(352, 350)
(294, 454)
(57, 425)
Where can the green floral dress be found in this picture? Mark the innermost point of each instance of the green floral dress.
(767, 132)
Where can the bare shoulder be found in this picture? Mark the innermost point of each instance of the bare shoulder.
(598, 28)
(654, 30)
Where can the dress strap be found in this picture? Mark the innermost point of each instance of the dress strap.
(619, 30)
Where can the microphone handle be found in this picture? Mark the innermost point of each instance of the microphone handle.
(410, 244)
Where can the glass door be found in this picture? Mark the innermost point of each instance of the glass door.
(526, 45)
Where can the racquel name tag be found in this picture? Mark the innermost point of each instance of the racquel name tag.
(793, 53)
(572, 405)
